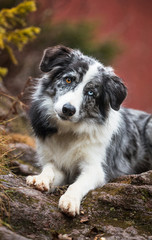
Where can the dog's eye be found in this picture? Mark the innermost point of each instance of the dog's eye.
(68, 80)
(90, 93)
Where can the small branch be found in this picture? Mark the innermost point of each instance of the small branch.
(16, 101)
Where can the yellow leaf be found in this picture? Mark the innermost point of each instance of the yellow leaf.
(11, 54)
(3, 72)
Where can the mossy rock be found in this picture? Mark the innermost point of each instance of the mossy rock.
(117, 211)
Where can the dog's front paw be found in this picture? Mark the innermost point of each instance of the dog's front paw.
(39, 182)
(69, 204)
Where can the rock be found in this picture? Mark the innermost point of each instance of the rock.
(25, 162)
(6, 234)
(24, 152)
(119, 210)
(118, 233)
(22, 169)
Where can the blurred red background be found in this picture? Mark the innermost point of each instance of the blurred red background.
(126, 22)
(131, 23)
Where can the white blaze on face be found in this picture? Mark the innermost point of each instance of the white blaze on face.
(75, 97)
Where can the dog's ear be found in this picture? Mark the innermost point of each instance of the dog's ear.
(54, 56)
(115, 90)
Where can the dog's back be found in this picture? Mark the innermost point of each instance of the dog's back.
(130, 149)
(148, 135)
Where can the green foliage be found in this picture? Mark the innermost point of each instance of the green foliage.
(14, 32)
(106, 51)
(79, 35)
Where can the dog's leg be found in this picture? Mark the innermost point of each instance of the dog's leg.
(47, 179)
(91, 176)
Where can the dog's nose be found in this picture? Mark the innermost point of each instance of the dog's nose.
(68, 110)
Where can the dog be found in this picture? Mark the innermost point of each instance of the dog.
(83, 137)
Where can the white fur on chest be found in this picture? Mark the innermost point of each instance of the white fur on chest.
(67, 150)
(86, 143)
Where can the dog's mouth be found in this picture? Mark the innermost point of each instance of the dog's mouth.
(64, 118)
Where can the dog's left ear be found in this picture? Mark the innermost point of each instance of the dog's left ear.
(115, 89)
(54, 56)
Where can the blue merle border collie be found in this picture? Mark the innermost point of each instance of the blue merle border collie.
(83, 137)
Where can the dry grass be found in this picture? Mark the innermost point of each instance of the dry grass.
(19, 138)
(5, 151)
(12, 120)
(4, 206)
(6, 157)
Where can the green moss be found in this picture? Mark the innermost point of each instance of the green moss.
(20, 197)
(112, 209)
(114, 191)
(123, 216)
(145, 194)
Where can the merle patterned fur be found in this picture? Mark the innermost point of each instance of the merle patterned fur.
(130, 148)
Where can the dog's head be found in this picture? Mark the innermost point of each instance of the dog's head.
(80, 87)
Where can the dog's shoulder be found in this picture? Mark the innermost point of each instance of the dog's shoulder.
(42, 125)
(134, 117)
